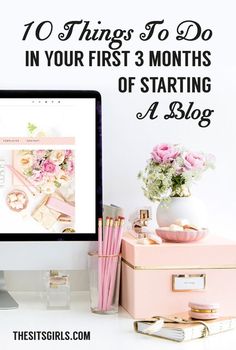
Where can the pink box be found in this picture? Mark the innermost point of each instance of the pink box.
(162, 279)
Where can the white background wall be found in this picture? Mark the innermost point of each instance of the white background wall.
(127, 141)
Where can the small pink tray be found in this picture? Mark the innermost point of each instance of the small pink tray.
(181, 236)
(17, 192)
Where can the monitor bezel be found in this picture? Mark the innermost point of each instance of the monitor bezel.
(65, 94)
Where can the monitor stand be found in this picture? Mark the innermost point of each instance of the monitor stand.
(6, 300)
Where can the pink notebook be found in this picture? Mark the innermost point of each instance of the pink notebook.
(61, 206)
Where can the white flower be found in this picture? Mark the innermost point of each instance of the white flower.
(26, 161)
(48, 187)
(62, 177)
(57, 156)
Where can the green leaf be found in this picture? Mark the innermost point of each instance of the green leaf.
(57, 184)
(31, 128)
(28, 172)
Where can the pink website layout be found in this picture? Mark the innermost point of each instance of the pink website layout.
(47, 165)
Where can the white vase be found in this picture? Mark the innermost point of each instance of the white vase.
(184, 208)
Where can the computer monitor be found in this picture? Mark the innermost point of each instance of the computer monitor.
(50, 178)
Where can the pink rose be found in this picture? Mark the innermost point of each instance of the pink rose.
(37, 176)
(68, 153)
(193, 161)
(40, 153)
(49, 166)
(70, 167)
(164, 153)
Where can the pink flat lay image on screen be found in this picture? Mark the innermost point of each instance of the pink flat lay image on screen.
(46, 188)
(47, 170)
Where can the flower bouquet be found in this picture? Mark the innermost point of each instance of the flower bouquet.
(171, 170)
(48, 170)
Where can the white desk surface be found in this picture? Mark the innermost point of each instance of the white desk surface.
(107, 331)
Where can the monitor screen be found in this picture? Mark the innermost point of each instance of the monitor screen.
(50, 165)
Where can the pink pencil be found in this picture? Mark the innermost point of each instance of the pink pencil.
(104, 250)
(120, 233)
(22, 179)
(115, 263)
(99, 263)
(105, 241)
(106, 264)
(110, 260)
